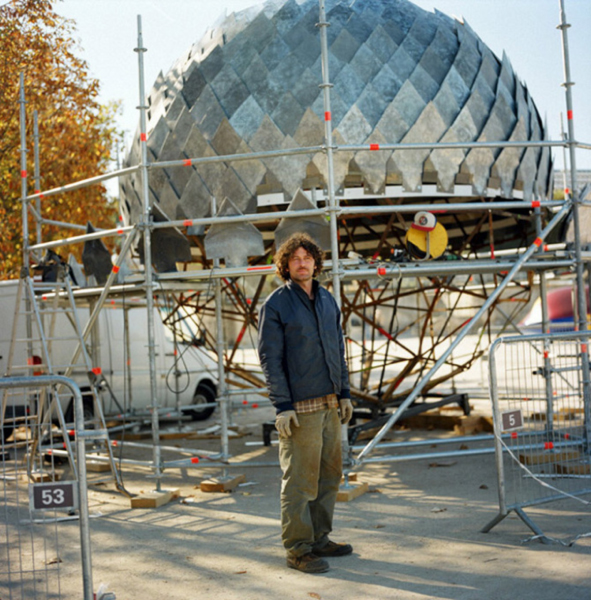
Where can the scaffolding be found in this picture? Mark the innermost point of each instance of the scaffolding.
(536, 257)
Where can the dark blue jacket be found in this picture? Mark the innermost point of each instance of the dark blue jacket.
(301, 346)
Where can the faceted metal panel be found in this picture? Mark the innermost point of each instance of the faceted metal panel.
(397, 73)
(96, 258)
(316, 227)
(233, 242)
(508, 160)
(169, 245)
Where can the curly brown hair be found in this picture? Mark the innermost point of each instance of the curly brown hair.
(297, 240)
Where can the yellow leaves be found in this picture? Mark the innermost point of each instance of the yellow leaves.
(76, 133)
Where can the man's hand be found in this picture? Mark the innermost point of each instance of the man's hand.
(346, 410)
(284, 420)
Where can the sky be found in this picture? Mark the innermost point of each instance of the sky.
(524, 29)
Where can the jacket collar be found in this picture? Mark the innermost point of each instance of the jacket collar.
(299, 290)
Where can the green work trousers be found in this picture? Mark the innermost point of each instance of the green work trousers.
(312, 469)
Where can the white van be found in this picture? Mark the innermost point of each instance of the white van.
(190, 380)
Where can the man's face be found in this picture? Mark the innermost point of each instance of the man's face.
(301, 266)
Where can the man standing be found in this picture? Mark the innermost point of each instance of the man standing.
(302, 353)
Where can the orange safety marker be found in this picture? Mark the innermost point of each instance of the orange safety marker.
(97, 370)
(548, 445)
(143, 137)
(569, 115)
(514, 435)
(187, 223)
(116, 269)
(187, 162)
(374, 146)
(195, 460)
(381, 270)
(255, 406)
(327, 116)
(538, 242)
(23, 174)
(264, 268)
(535, 204)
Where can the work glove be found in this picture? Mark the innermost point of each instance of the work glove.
(346, 410)
(284, 420)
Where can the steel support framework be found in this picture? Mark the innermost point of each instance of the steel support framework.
(340, 269)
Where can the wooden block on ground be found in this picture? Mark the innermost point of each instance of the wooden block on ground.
(176, 435)
(487, 424)
(154, 499)
(131, 437)
(44, 477)
(538, 458)
(222, 484)
(346, 494)
(469, 425)
(97, 466)
(573, 469)
(460, 424)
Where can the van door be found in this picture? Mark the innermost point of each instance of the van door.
(135, 354)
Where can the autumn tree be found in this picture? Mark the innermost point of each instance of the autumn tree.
(76, 133)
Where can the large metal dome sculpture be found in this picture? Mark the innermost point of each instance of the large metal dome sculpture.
(400, 74)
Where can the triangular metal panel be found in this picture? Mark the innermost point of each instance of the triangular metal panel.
(509, 159)
(316, 227)
(233, 242)
(428, 128)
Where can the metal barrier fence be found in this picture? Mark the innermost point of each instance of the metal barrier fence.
(541, 412)
(42, 498)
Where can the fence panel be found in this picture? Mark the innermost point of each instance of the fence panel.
(44, 501)
(541, 413)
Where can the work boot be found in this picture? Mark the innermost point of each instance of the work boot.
(308, 563)
(334, 549)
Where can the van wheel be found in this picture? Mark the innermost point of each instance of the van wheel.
(204, 394)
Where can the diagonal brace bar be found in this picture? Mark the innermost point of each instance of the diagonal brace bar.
(467, 328)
